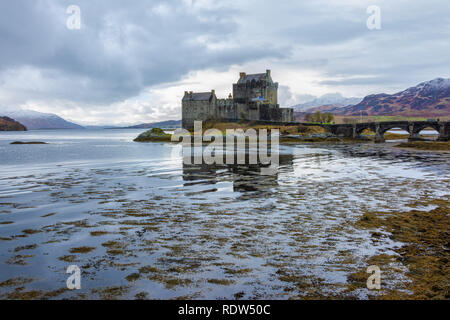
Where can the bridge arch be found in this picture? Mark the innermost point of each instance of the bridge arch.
(420, 129)
(403, 125)
(363, 126)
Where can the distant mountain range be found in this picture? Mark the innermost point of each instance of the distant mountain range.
(8, 124)
(34, 120)
(170, 124)
(330, 100)
(430, 99)
(427, 99)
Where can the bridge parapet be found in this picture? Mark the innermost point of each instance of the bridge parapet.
(380, 128)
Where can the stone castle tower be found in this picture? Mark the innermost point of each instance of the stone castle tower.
(255, 98)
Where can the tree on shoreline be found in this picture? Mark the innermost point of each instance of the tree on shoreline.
(320, 117)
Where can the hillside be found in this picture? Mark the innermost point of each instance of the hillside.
(8, 124)
(429, 99)
(34, 120)
(163, 124)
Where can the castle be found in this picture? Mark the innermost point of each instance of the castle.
(255, 98)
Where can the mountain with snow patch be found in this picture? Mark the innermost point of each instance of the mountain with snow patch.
(34, 120)
(427, 99)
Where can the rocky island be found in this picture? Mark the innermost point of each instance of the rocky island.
(153, 135)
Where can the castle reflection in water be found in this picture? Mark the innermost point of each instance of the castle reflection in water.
(246, 178)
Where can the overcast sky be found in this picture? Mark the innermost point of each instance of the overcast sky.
(131, 61)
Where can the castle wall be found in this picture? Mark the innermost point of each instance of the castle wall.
(242, 111)
(270, 112)
(243, 93)
(226, 109)
(197, 111)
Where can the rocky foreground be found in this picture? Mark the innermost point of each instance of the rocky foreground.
(8, 124)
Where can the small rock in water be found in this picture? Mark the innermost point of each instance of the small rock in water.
(30, 142)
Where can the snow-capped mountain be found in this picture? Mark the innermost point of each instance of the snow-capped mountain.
(427, 99)
(34, 120)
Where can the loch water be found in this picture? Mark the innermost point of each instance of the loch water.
(141, 224)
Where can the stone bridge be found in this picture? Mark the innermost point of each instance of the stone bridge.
(354, 130)
(412, 127)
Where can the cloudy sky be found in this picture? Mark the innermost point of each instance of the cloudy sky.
(131, 61)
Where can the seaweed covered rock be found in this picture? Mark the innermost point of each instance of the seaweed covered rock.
(152, 135)
(30, 142)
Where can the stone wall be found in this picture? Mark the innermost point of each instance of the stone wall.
(226, 109)
(201, 110)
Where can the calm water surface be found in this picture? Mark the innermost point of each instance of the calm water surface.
(141, 224)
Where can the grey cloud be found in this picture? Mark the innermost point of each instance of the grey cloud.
(125, 47)
(121, 48)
